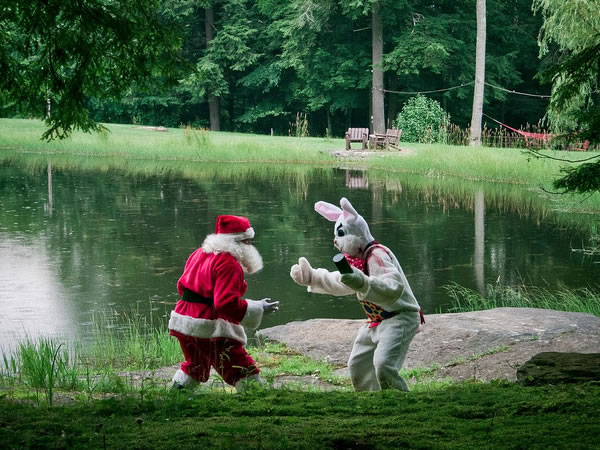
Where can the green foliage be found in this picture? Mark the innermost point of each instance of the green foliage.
(149, 63)
(570, 35)
(583, 178)
(65, 52)
(422, 119)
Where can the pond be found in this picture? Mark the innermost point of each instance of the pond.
(80, 244)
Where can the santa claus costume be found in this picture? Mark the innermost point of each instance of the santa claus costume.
(210, 317)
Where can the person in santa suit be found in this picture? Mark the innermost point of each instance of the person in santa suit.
(210, 317)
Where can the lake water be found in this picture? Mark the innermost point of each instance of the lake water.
(77, 244)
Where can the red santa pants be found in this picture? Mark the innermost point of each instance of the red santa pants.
(229, 358)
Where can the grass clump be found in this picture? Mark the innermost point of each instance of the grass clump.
(585, 300)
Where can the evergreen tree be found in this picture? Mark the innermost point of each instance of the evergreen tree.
(55, 54)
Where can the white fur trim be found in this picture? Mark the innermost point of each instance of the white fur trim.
(206, 328)
(254, 314)
(183, 379)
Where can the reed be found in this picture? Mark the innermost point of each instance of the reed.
(585, 300)
(120, 342)
(42, 365)
(130, 341)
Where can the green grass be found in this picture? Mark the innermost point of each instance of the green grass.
(130, 141)
(506, 165)
(585, 300)
(494, 415)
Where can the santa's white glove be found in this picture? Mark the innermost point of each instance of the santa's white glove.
(268, 306)
(301, 273)
(356, 280)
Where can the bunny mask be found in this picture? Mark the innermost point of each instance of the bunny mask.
(351, 232)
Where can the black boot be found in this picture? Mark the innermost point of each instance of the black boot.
(176, 386)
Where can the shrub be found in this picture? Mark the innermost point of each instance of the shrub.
(423, 120)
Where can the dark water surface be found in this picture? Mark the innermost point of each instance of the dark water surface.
(78, 244)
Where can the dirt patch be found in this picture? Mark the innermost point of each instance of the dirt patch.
(364, 154)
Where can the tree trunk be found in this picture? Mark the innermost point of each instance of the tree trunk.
(213, 101)
(378, 125)
(479, 75)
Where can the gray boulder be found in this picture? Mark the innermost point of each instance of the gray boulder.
(480, 345)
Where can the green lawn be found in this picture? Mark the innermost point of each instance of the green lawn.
(493, 415)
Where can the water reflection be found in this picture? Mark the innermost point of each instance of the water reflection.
(81, 242)
(32, 296)
(478, 255)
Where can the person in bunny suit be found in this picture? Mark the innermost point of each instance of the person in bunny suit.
(393, 314)
(209, 318)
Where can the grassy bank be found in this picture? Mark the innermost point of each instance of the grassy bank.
(189, 144)
(139, 149)
(130, 141)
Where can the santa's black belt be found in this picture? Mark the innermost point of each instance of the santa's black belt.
(193, 297)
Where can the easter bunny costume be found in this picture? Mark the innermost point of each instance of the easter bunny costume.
(379, 284)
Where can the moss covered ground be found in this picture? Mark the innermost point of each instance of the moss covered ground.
(491, 415)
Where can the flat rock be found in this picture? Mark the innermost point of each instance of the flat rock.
(482, 345)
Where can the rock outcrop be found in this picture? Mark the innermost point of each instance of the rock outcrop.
(559, 368)
(481, 345)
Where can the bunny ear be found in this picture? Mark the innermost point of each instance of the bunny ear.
(327, 210)
(348, 209)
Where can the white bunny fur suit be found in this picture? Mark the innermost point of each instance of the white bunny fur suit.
(378, 352)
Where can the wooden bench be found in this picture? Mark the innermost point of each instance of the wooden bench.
(357, 135)
(391, 139)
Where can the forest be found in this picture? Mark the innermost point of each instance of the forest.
(263, 66)
(300, 67)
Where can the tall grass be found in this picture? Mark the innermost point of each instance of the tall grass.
(585, 300)
(506, 165)
(120, 342)
(42, 365)
(130, 341)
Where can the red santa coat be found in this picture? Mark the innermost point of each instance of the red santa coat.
(220, 277)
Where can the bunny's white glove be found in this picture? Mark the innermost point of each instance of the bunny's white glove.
(356, 280)
(268, 306)
(301, 273)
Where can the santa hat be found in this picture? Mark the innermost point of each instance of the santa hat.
(237, 227)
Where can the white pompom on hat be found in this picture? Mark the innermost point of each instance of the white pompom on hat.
(237, 227)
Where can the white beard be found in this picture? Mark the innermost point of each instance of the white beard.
(250, 260)
(246, 255)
